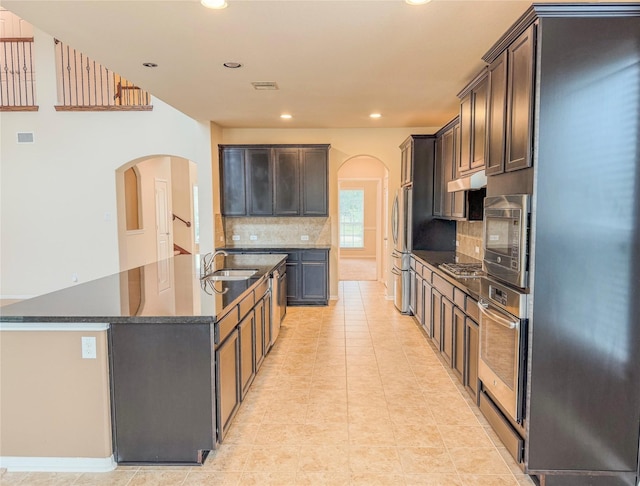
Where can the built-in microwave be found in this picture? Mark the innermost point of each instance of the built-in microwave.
(506, 238)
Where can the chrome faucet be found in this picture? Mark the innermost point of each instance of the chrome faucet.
(208, 261)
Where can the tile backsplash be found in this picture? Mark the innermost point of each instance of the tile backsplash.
(469, 238)
(277, 231)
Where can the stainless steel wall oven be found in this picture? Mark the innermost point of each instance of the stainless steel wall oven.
(506, 238)
(503, 345)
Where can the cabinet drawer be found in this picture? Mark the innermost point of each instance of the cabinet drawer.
(225, 325)
(427, 273)
(314, 256)
(459, 297)
(471, 309)
(246, 304)
(261, 289)
(444, 287)
(293, 256)
(413, 263)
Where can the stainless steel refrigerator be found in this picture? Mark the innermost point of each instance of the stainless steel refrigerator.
(401, 233)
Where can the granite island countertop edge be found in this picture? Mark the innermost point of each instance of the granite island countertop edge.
(11, 316)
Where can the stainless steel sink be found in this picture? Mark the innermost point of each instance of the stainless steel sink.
(231, 274)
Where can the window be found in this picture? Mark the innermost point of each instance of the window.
(351, 218)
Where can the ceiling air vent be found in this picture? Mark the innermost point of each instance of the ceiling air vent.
(264, 85)
(25, 137)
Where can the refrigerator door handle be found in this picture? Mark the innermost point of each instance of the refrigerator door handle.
(394, 221)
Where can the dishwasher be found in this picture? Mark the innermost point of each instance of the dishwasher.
(278, 300)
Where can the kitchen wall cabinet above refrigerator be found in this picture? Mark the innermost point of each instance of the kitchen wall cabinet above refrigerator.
(418, 156)
(274, 180)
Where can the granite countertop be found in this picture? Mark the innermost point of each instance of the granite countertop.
(435, 258)
(144, 294)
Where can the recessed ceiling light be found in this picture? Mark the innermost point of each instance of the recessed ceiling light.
(217, 4)
(375, 115)
(417, 2)
(149, 64)
(286, 116)
(232, 65)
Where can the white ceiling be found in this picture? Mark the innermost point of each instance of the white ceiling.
(335, 61)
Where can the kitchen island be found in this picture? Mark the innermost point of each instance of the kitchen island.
(127, 368)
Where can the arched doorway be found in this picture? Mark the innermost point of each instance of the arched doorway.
(157, 209)
(362, 208)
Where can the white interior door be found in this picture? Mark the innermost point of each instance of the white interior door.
(163, 229)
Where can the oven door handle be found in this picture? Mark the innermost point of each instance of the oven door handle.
(498, 318)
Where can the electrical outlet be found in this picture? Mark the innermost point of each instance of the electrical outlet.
(457, 243)
(74, 277)
(235, 237)
(304, 237)
(88, 347)
(477, 249)
(253, 237)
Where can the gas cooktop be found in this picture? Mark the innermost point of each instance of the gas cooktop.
(463, 270)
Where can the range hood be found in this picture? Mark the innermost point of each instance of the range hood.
(477, 180)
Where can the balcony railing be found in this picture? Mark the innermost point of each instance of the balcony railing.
(84, 84)
(17, 80)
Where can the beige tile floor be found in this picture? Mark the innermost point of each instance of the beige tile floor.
(353, 394)
(357, 268)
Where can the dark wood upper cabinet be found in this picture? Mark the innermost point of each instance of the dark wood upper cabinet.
(496, 115)
(466, 122)
(438, 177)
(479, 134)
(314, 181)
(520, 101)
(287, 181)
(274, 180)
(259, 182)
(473, 125)
(448, 205)
(233, 191)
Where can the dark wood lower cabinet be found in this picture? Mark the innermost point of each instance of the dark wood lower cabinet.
(436, 312)
(420, 296)
(262, 332)
(449, 316)
(247, 361)
(447, 331)
(308, 277)
(161, 386)
(458, 359)
(427, 310)
(227, 384)
(472, 342)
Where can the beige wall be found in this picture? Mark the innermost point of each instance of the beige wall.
(183, 178)
(53, 402)
(58, 195)
(380, 143)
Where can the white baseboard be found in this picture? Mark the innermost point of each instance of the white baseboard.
(58, 464)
